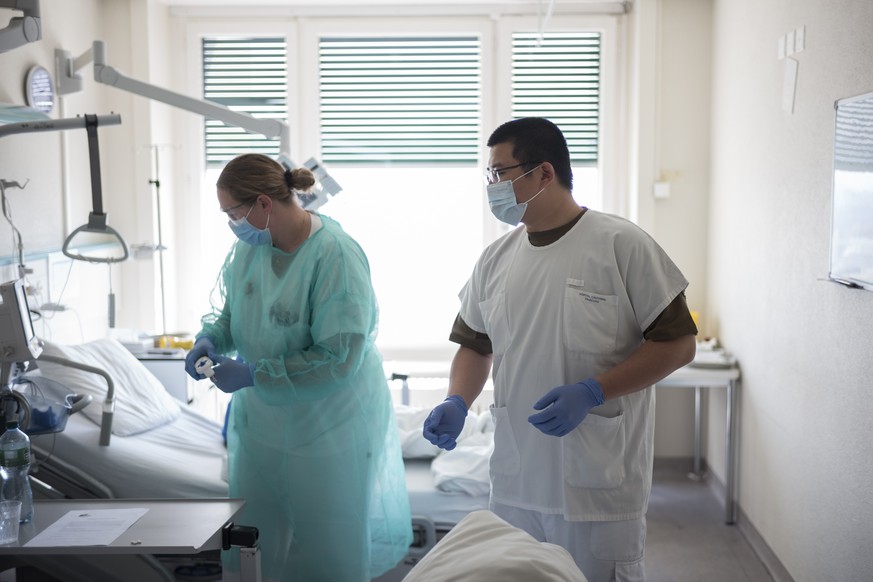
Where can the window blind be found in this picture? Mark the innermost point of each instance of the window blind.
(248, 75)
(399, 99)
(557, 75)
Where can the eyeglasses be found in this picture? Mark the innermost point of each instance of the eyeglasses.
(492, 175)
(228, 211)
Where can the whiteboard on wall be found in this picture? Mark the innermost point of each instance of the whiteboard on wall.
(851, 261)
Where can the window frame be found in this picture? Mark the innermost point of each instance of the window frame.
(612, 185)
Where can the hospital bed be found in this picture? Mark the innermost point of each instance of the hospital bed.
(443, 487)
(181, 457)
(184, 458)
(158, 448)
(163, 450)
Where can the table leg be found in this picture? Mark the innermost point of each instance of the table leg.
(730, 446)
(697, 473)
(250, 564)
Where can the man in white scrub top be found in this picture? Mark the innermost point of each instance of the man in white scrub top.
(576, 316)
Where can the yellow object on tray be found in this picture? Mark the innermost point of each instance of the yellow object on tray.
(172, 341)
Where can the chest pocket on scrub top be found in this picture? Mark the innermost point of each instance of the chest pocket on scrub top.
(496, 322)
(590, 319)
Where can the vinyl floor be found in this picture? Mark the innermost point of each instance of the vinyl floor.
(687, 539)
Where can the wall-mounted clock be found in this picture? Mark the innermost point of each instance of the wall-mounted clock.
(39, 90)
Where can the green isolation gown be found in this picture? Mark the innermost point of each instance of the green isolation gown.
(313, 445)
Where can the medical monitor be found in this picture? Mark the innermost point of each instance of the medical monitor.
(18, 341)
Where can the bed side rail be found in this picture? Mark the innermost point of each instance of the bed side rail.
(54, 478)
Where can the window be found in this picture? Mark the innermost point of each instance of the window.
(399, 99)
(247, 75)
(557, 75)
(398, 110)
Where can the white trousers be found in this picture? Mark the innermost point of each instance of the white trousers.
(605, 551)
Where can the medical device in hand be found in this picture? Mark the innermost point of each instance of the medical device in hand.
(204, 366)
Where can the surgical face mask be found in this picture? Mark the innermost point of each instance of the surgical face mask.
(247, 233)
(501, 200)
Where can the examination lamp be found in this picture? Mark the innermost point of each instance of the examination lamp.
(68, 81)
(21, 29)
(97, 218)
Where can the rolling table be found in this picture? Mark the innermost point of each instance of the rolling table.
(170, 526)
(713, 377)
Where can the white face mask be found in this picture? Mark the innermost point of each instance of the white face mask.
(501, 200)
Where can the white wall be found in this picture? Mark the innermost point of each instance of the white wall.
(57, 197)
(673, 56)
(804, 345)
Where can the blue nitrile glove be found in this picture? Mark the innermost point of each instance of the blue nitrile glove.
(231, 375)
(569, 406)
(444, 423)
(201, 347)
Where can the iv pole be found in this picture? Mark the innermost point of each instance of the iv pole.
(156, 182)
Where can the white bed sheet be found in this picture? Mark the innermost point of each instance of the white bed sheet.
(484, 548)
(441, 507)
(184, 458)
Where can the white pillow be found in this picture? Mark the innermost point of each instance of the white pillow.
(484, 548)
(141, 401)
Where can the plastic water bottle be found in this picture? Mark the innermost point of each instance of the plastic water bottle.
(15, 459)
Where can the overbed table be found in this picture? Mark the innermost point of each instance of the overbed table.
(713, 377)
(170, 526)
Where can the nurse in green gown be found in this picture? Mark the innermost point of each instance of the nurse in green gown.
(311, 435)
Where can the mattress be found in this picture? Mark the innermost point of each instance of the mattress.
(184, 458)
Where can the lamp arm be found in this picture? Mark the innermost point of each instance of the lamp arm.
(23, 29)
(108, 75)
(55, 124)
(68, 81)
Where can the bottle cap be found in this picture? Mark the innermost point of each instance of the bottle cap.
(12, 423)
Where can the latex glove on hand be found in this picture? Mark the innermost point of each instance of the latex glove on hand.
(230, 375)
(564, 407)
(445, 422)
(201, 347)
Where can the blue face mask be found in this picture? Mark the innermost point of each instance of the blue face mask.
(247, 233)
(501, 200)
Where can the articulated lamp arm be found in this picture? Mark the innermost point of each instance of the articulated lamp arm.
(21, 29)
(68, 82)
(271, 128)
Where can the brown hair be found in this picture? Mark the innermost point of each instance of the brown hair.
(248, 176)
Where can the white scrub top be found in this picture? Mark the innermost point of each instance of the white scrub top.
(557, 315)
